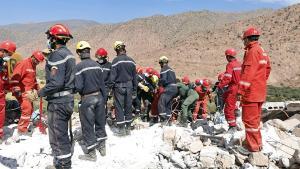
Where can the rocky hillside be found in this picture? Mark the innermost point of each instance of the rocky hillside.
(194, 41)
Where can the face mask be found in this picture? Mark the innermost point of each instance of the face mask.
(50, 44)
(6, 58)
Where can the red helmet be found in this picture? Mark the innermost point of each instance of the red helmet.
(149, 71)
(185, 80)
(101, 52)
(139, 69)
(8, 45)
(155, 72)
(251, 32)
(38, 55)
(59, 31)
(230, 52)
(198, 81)
(205, 82)
(220, 76)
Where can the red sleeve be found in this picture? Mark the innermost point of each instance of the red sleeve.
(17, 75)
(249, 69)
(227, 76)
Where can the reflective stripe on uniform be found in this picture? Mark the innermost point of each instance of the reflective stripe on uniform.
(102, 138)
(61, 61)
(64, 156)
(123, 62)
(30, 70)
(228, 75)
(263, 62)
(166, 71)
(231, 121)
(244, 83)
(237, 68)
(121, 122)
(25, 117)
(88, 68)
(92, 146)
(106, 69)
(253, 130)
(127, 121)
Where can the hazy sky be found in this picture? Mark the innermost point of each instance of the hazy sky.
(112, 11)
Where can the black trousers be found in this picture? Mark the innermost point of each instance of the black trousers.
(165, 100)
(93, 119)
(59, 115)
(123, 104)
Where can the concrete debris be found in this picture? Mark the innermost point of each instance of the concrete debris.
(296, 156)
(296, 132)
(169, 134)
(258, 159)
(292, 122)
(196, 146)
(285, 162)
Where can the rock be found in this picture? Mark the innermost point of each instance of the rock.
(291, 123)
(208, 155)
(225, 161)
(278, 124)
(220, 128)
(190, 161)
(296, 156)
(183, 139)
(199, 131)
(176, 158)
(247, 166)
(296, 132)
(240, 159)
(196, 146)
(169, 134)
(273, 166)
(258, 159)
(285, 162)
(206, 142)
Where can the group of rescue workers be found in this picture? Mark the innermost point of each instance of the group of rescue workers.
(137, 92)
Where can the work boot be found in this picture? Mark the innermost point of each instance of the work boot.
(91, 156)
(128, 129)
(120, 130)
(153, 120)
(102, 148)
(232, 130)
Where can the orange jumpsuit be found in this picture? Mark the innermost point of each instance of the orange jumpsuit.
(253, 88)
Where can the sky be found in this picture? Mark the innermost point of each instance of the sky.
(114, 11)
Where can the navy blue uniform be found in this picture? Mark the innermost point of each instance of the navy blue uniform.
(123, 79)
(59, 92)
(89, 83)
(106, 67)
(168, 81)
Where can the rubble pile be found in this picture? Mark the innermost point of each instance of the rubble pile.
(208, 145)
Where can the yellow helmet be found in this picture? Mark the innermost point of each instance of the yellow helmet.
(82, 45)
(118, 44)
(163, 59)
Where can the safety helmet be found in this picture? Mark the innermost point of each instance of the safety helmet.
(118, 45)
(155, 72)
(9, 46)
(205, 83)
(185, 80)
(251, 31)
(230, 52)
(101, 52)
(149, 71)
(198, 82)
(163, 59)
(82, 45)
(139, 70)
(38, 55)
(59, 31)
(220, 76)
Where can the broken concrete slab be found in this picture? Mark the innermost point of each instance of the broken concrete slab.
(292, 122)
(296, 132)
(258, 159)
(169, 134)
(196, 146)
(225, 161)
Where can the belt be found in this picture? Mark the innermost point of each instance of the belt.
(91, 94)
(62, 93)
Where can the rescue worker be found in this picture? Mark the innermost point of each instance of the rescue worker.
(124, 84)
(89, 83)
(168, 82)
(256, 69)
(189, 96)
(101, 55)
(137, 102)
(219, 101)
(58, 91)
(7, 48)
(231, 79)
(25, 88)
(202, 87)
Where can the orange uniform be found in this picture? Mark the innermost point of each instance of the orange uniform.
(253, 88)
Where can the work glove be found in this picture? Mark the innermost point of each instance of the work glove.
(146, 88)
(31, 95)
